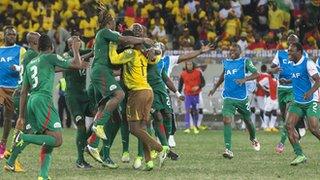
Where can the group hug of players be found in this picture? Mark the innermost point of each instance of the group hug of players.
(141, 89)
(128, 82)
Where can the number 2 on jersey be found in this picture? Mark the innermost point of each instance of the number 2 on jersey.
(34, 76)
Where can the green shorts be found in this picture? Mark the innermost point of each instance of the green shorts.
(161, 100)
(42, 114)
(285, 96)
(103, 82)
(79, 106)
(231, 105)
(309, 110)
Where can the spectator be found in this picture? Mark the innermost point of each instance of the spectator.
(259, 44)
(48, 18)
(186, 41)
(11, 56)
(231, 25)
(34, 9)
(59, 36)
(270, 41)
(236, 7)
(261, 20)
(88, 26)
(224, 12)
(62, 105)
(242, 42)
(276, 17)
(192, 80)
(158, 32)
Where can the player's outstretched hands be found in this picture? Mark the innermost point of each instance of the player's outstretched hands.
(20, 124)
(240, 81)
(206, 48)
(76, 42)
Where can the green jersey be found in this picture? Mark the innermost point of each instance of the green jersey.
(75, 79)
(39, 73)
(29, 55)
(101, 46)
(154, 76)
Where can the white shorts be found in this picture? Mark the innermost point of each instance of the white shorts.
(271, 104)
(261, 102)
(252, 100)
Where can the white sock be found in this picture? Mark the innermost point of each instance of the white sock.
(273, 121)
(200, 116)
(266, 120)
(88, 122)
(253, 118)
(191, 121)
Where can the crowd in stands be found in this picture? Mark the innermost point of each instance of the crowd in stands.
(180, 24)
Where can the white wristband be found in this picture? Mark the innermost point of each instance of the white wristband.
(17, 67)
(177, 94)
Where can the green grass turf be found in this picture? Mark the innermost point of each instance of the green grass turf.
(200, 158)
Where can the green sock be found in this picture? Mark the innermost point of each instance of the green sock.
(111, 129)
(160, 132)
(45, 161)
(283, 131)
(104, 119)
(150, 130)
(168, 126)
(140, 148)
(81, 142)
(15, 152)
(251, 129)
(125, 136)
(39, 139)
(227, 135)
(297, 149)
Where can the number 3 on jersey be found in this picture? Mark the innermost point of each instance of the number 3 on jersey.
(34, 76)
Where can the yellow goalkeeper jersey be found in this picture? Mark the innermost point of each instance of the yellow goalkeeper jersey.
(134, 70)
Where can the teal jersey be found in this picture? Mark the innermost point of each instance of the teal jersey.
(101, 46)
(154, 77)
(39, 73)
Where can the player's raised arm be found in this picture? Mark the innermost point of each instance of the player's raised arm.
(191, 55)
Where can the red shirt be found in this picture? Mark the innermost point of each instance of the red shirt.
(260, 91)
(190, 80)
(273, 85)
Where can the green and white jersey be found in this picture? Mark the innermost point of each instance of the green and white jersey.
(29, 55)
(154, 77)
(39, 73)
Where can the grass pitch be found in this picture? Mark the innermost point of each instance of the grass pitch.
(200, 158)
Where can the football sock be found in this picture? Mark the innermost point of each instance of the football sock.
(125, 136)
(45, 161)
(39, 139)
(15, 152)
(297, 149)
(227, 136)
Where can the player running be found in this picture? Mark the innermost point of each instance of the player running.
(43, 117)
(32, 39)
(282, 66)
(235, 95)
(305, 83)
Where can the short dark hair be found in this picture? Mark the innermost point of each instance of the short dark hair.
(298, 46)
(104, 18)
(236, 45)
(44, 42)
(263, 68)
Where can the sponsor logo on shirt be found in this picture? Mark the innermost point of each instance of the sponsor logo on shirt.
(57, 125)
(113, 87)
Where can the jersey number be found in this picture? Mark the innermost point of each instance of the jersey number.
(82, 72)
(34, 76)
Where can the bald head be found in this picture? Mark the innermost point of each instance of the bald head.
(32, 39)
(293, 39)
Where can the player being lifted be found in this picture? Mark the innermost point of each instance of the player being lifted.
(235, 95)
(305, 83)
(43, 117)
